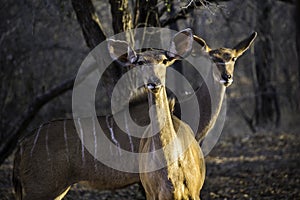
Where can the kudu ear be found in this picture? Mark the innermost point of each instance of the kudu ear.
(202, 43)
(181, 44)
(241, 47)
(121, 52)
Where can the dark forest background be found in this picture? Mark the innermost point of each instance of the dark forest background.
(43, 42)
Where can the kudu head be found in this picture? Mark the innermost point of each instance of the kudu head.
(152, 63)
(225, 58)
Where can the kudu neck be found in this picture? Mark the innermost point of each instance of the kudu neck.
(210, 96)
(217, 90)
(217, 94)
(159, 112)
(218, 102)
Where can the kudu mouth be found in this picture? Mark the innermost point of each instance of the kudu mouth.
(226, 83)
(226, 80)
(153, 84)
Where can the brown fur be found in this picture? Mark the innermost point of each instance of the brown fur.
(46, 169)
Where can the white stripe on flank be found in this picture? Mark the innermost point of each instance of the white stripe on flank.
(112, 134)
(66, 141)
(47, 147)
(95, 142)
(128, 132)
(82, 141)
(35, 139)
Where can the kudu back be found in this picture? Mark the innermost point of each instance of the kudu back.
(53, 157)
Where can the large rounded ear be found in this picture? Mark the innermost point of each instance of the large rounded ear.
(202, 43)
(245, 44)
(181, 44)
(121, 52)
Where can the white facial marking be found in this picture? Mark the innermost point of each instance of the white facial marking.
(150, 86)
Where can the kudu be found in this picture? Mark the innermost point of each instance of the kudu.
(52, 158)
(171, 161)
(220, 76)
(47, 162)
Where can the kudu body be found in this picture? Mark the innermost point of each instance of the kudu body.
(48, 162)
(53, 157)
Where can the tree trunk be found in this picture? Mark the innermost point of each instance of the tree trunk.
(89, 22)
(122, 19)
(297, 23)
(266, 102)
(297, 20)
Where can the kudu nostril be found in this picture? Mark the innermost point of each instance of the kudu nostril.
(154, 81)
(226, 77)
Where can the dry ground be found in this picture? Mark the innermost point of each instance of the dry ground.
(264, 165)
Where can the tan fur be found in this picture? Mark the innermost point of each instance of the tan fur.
(184, 174)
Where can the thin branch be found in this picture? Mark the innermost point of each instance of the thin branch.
(185, 10)
(289, 1)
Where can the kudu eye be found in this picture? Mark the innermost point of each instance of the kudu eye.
(141, 62)
(233, 59)
(226, 56)
(165, 61)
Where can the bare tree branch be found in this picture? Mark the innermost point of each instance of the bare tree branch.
(289, 1)
(183, 13)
